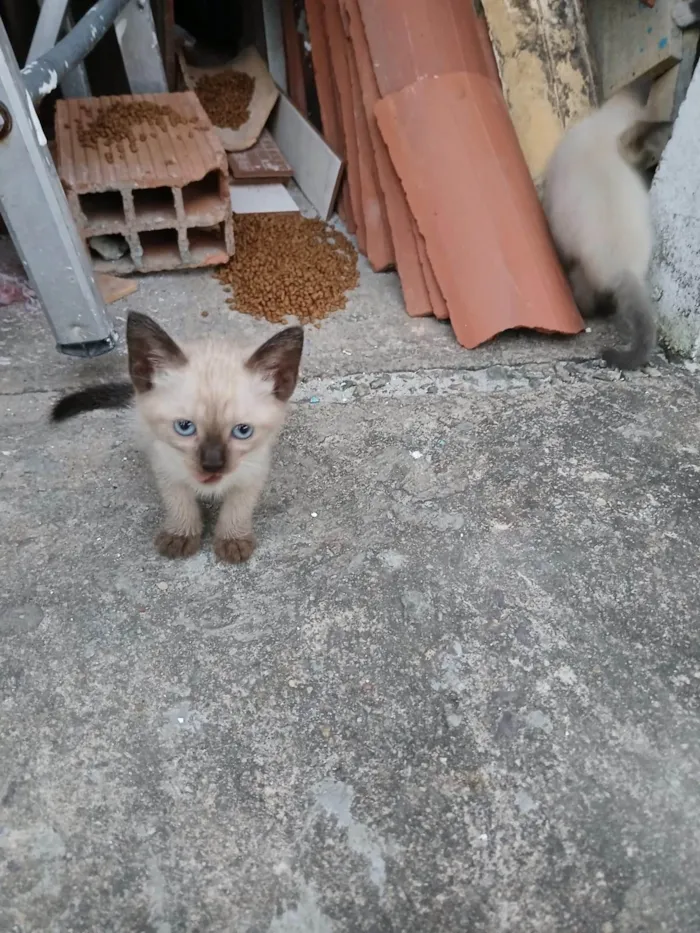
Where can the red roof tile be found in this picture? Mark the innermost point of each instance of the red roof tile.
(404, 231)
(339, 50)
(328, 100)
(380, 249)
(420, 38)
(485, 232)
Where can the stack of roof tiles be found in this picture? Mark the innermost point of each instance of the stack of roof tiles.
(436, 183)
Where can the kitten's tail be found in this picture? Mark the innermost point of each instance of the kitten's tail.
(107, 395)
(635, 310)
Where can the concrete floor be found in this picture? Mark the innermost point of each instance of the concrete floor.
(456, 689)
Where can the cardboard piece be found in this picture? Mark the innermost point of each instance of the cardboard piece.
(265, 94)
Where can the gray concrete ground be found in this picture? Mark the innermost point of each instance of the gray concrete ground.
(456, 688)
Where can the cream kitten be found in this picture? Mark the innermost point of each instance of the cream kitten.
(208, 415)
(597, 204)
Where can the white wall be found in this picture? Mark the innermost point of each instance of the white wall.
(675, 196)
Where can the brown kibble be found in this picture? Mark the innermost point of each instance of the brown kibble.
(204, 313)
(117, 123)
(226, 97)
(288, 265)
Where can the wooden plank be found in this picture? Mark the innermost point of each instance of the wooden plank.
(296, 88)
(317, 169)
(631, 40)
(669, 90)
(261, 162)
(546, 66)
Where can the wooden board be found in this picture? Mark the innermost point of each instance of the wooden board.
(630, 40)
(668, 91)
(317, 169)
(262, 162)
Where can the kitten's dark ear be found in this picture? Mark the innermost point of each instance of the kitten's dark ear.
(279, 359)
(150, 349)
(643, 143)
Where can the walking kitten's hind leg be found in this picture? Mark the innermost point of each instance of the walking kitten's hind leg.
(584, 295)
(234, 540)
(182, 529)
(605, 305)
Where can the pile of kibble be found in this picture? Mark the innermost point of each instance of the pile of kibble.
(287, 265)
(226, 97)
(119, 123)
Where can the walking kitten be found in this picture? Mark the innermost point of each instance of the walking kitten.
(686, 14)
(597, 204)
(208, 415)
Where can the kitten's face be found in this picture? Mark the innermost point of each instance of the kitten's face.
(213, 405)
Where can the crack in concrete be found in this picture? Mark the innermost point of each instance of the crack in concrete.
(401, 384)
(449, 382)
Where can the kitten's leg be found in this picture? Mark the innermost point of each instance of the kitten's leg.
(182, 529)
(605, 305)
(233, 539)
(584, 295)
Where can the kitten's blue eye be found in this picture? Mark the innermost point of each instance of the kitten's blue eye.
(242, 432)
(184, 428)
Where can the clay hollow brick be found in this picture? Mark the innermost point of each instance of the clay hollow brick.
(167, 194)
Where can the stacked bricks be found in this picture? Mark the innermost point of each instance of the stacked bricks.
(149, 169)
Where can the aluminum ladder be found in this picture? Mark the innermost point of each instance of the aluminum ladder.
(32, 202)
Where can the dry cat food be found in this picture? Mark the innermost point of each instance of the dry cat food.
(226, 97)
(288, 265)
(118, 123)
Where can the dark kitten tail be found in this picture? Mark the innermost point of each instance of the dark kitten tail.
(634, 308)
(108, 395)
(686, 14)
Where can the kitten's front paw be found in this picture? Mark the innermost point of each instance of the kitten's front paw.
(234, 550)
(170, 545)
